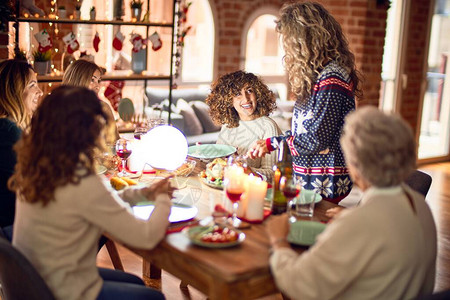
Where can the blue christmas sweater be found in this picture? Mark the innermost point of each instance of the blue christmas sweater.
(314, 136)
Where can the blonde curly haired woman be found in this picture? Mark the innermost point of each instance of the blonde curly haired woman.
(323, 76)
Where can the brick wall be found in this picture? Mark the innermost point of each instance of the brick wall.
(362, 21)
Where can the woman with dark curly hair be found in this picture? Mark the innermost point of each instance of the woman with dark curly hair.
(241, 103)
(323, 76)
(19, 95)
(63, 206)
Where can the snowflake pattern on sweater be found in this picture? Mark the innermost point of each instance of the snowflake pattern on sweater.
(315, 132)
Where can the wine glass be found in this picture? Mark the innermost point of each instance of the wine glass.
(291, 187)
(123, 150)
(234, 186)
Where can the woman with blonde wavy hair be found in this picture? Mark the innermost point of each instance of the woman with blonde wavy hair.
(323, 76)
(63, 206)
(19, 95)
(88, 74)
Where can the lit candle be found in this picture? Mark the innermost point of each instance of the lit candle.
(255, 198)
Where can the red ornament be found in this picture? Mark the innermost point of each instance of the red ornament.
(96, 41)
(118, 41)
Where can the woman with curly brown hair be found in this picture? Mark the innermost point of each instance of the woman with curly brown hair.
(323, 76)
(241, 103)
(63, 206)
(19, 95)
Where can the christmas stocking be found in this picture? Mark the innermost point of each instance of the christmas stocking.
(118, 41)
(156, 41)
(44, 40)
(71, 42)
(96, 41)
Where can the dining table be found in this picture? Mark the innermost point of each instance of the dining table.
(239, 272)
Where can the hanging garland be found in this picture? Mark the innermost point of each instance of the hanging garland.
(181, 32)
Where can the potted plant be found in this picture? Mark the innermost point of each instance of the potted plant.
(92, 13)
(62, 13)
(136, 9)
(42, 61)
(20, 54)
(77, 12)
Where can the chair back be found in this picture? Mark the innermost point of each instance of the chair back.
(419, 181)
(18, 278)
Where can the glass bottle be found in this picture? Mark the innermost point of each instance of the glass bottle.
(283, 168)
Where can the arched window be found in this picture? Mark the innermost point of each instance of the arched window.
(198, 51)
(263, 52)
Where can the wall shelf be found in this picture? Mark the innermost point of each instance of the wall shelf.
(106, 77)
(93, 22)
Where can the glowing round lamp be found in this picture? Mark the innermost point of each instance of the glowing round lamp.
(165, 147)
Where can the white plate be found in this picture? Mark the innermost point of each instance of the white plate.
(100, 169)
(178, 212)
(210, 151)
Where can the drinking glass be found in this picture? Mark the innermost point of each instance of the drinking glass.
(291, 187)
(123, 150)
(234, 186)
(140, 130)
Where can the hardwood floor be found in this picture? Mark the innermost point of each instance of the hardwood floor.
(438, 199)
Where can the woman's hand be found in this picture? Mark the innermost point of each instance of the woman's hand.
(258, 149)
(277, 228)
(333, 212)
(160, 187)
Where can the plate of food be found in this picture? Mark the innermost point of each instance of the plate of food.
(210, 151)
(119, 183)
(214, 236)
(212, 176)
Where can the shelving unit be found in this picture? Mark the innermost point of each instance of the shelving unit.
(129, 75)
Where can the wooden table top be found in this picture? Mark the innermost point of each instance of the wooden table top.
(240, 272)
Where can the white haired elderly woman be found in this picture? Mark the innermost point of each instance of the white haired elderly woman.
(384, 248)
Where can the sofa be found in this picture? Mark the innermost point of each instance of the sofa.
(190, 113)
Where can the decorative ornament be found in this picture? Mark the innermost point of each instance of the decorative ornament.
(156, 41)
(146, 17)
(183, 35)
(71, 42)
(96, 41)
(32, 8)
(184, 11)
(113, 93)
(118, 41)
(138, 42)
(89, 57)
(44, 40)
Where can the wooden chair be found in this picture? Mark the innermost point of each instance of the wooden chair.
(114, 255)
(419, 181)
(18, 278)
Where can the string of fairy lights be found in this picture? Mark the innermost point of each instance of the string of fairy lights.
(54, 30)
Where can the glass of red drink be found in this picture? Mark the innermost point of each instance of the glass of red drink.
(234, 186)
(291, 187)
(123, 150)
